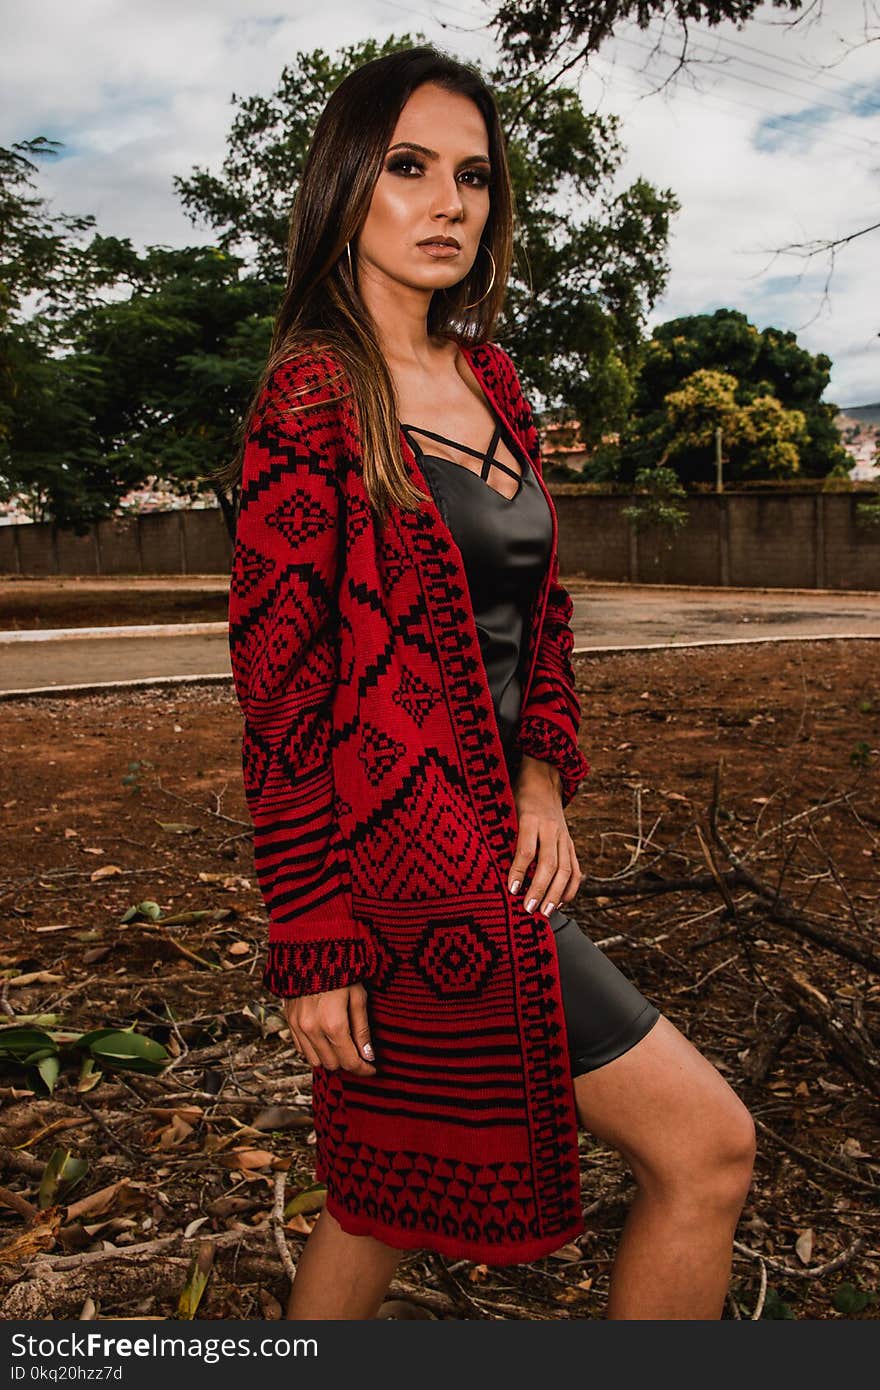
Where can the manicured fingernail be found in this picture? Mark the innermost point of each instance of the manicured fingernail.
(368, 1052)
(531, 904)
(547, 909)
(515, 886)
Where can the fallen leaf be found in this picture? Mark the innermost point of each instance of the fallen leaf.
(105, 871)
(247, 1158)
(851, 1148)
(568, 1253)
(36, 977)
(193, 1226)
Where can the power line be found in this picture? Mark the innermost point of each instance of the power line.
(812, 81)
(737, 102)
(794, 63)
(738, 77)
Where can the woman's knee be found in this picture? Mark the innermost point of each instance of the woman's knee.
(673, 1117)
(730, 1158)
(712, 1162)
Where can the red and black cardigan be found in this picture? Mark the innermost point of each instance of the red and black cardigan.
(384, 828)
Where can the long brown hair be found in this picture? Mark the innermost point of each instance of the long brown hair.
(321, 305)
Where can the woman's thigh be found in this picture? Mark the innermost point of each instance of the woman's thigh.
(665, 1108)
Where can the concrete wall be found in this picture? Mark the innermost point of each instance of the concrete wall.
(799, 540)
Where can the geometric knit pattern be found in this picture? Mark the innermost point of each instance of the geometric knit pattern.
(384, 827)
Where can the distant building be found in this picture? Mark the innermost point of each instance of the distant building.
(859, 427)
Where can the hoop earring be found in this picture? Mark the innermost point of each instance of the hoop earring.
(350, 266)
(485, 248)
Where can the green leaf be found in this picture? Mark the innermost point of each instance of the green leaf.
(182, 919)
(200, 1270)
(129, 1050)
(307, 1200)
(148, 909)
(38, 1020)
(26, 1044)
(62, 1170)
(775, 1307)
(89, 1075)
(848, 1299)
(49, 1069)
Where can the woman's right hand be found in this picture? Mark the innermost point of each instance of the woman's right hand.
(331, 1029)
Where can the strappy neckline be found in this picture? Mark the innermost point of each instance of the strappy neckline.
(486, 458)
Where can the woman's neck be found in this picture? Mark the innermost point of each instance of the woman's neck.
(400, 314)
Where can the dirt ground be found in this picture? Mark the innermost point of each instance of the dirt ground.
(747, 909)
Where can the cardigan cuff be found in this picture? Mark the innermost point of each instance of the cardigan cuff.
(294, 968)
(542, 739)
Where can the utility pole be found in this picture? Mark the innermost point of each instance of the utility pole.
(719, 485)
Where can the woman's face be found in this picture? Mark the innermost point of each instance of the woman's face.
(434, 182)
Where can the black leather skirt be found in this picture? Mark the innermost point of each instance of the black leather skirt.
(605, 1014)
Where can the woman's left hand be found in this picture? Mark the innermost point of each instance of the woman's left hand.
(543, 835)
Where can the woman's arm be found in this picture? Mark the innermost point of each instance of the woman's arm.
(283, 648)
(550, 717)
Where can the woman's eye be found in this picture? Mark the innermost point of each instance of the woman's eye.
(398, 165)
(476, 177)
(482, 179)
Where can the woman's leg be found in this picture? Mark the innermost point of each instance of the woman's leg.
(690, 1142)
(341, 1275)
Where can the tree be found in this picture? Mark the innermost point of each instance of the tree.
(589, 266)
(760, 436)
(761, 388)
(538, 32)
(176, 360)
(556, 37)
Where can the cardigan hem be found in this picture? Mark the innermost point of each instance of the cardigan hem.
(541, 738)
(478, 1252)
(295, 968)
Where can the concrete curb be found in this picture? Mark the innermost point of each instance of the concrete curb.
(215, 678)
(98, 687)
(74, 634)
(733, 642)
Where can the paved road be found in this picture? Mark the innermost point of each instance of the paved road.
(607, 617)
(629, 615)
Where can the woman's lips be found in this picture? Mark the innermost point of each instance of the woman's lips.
(438, 251)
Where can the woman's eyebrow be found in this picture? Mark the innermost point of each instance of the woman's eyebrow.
(432, 154)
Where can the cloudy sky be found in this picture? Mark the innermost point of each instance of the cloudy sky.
(773, 138)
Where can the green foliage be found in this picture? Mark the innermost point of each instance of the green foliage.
(761, 388)
(589, 265)
(658, 509)
(151, 385)
(868, 512)
(775, 1306)
(849, 1299)
(42, 1053)
(861, 754)
(544, 31)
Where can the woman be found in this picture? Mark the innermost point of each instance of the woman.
(401, 651)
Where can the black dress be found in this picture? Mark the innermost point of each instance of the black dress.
(505, 547)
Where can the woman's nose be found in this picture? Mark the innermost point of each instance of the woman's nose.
(447, 199)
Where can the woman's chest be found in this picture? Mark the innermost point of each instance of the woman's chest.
(451, 422)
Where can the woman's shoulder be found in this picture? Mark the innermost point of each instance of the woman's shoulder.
(498, 368)
(304, 387)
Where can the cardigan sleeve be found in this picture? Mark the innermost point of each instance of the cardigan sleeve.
(284, 654)
(550, 718)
